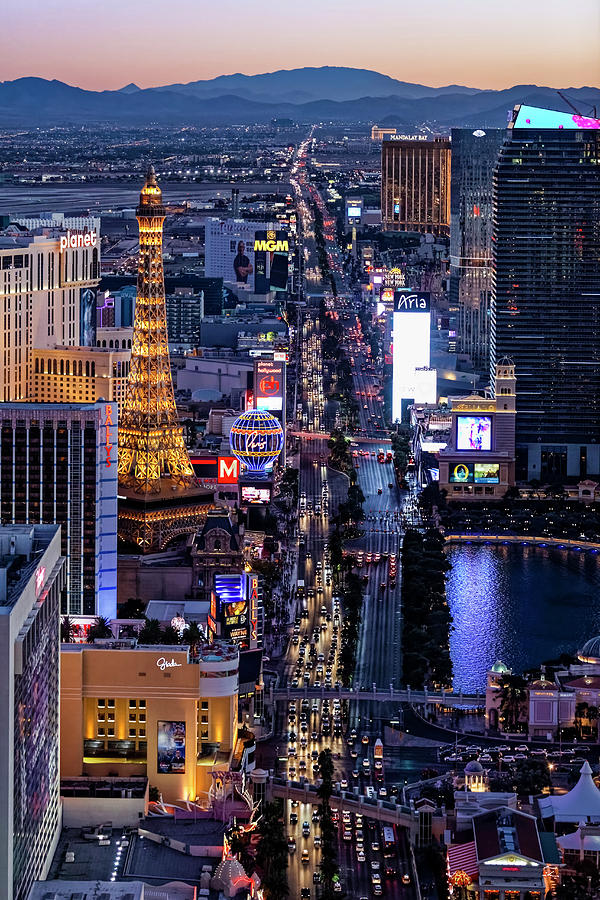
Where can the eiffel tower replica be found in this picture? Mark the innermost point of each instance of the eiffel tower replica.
(159, 495)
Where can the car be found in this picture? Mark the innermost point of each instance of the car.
(375, 865)
(305, 893)
(360, 855)
(355, 774)
(375, 878)
(305, 829)
(315, 815)
(406, 878)
(305, 857)
(377, 890)
(365, 739)
(347, 835)
(382, 790)
(375, 846)
(317, 841)
(291, 845)
(316, 877)
(337, 887)
(344, 784)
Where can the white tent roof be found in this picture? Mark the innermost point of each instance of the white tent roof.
(581, 803)
(573, 841)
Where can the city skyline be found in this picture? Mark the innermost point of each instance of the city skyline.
(485, 51)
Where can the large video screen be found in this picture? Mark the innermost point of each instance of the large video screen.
(474, 433)
(487, 473)
(170, 748)
(461, 473)
(354, 211)
(251, 494)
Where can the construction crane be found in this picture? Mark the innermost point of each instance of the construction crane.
(573, 107)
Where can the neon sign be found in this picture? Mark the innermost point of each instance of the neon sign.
(107, 444)
(72, 241)
(40, 577)
(162, 664)
(253, 586)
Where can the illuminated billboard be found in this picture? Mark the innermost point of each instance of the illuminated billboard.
(253, 494)
(535, 117)
(354, 211)
(269, 384)
(170, 748)
(473, 432)
(87, 317)
(412, 379)
(461, 473)
(232, 613)
(229, 470)
(487, 473)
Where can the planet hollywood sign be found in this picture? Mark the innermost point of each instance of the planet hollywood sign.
(72, 240)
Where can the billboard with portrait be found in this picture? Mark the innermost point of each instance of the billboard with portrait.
(461, 473)
(170, 748)
(251, 494)
(87, 317)
(474, 432)
(487, 473)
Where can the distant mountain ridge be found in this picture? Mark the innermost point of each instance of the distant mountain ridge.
(305, 95)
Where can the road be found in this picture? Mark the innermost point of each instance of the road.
(303, 728)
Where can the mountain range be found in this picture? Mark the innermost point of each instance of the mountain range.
(338, 94)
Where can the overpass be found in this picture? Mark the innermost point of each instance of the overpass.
(383, 810)
(405, 695)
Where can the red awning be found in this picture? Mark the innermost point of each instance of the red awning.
(463, 858)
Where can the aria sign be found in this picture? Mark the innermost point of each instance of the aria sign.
(70, 241)
(407, 302)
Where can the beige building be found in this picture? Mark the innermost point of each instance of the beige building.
(157, 711)
(378, 133)
(46, 279)
(78, 375)
(415, 184)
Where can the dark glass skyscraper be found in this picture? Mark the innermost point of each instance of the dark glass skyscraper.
(474, 155)
(546, 289)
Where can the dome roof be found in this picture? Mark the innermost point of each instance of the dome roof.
(590, 651)
(542, 685)
(473, 768)
(500, 668)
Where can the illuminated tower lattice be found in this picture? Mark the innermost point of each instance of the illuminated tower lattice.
(155, 471)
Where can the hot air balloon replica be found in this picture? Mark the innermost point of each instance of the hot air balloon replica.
(256, 439)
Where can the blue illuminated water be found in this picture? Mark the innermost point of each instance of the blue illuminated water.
(518, 604)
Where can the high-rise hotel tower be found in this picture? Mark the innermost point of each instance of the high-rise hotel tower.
(161, 496)
(546, 289)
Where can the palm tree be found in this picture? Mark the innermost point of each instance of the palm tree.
(193, 636)
(512, 697)
(151, 633)
(581, 712)
(100, 629)
(67, 630)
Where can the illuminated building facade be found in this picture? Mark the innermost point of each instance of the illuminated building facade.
(155, 472)
(58, 464)
(474, 155)
(479, 459)
(546, 289)
(415, 185)
(32, 574)
(413, 380)
(47, 294)
(157, 711)
(378, 132)
(78, 375)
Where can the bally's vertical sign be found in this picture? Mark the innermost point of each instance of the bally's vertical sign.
(269, 384)
(254, 596)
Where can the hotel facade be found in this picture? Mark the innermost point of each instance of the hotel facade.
(161, 712)
(48, 287)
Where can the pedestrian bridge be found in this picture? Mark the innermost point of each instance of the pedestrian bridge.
(379, 695)
(383, 810)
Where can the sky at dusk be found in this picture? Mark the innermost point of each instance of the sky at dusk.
(480, 43)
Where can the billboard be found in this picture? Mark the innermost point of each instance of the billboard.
(269, 384)
(534, 117)
(229, 470)
(487, 473)
(461, 473)
(473, 432)
(354, 212)
(271, 250)
(87, 317)
(253, 494)
(230, 591)
(170, 748)
(412, 379)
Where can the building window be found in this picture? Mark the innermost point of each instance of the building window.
(132, 733)
(142, 704)
(110, 703)
(204, 734)
(204, 704)
(132, 704)
(142, 717)
(132, 717)
(142, 732)
(204, 720)
(101, 703)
